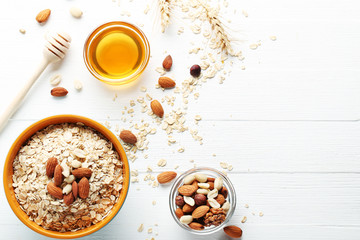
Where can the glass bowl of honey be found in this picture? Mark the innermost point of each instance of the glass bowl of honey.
(116, 52)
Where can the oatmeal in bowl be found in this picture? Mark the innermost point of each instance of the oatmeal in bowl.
(66, 176)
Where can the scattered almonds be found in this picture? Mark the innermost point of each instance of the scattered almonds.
(43, 16)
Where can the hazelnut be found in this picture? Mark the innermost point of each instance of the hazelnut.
(220, 199)
(179, 200)
(211, 185)
(224, 192)
(200, 199)
(195, 70)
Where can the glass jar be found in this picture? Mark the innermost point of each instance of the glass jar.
(210, 172)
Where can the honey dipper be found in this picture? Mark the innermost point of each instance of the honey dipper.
(55, 49)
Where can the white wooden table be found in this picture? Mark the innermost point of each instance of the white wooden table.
(288, 123)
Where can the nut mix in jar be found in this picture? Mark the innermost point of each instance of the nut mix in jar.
(202, 201)
(67, 177)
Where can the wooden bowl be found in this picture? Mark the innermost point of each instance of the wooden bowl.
(24, 136)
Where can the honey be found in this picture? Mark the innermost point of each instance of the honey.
(116, 52)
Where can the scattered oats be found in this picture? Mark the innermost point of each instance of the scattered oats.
(192, 160)
(214, 155)
(134, 180)
(242, 67)
(107, 124)
(195, 28)
(253, 46)
(230, 167)
(245, 13)
(134, 173)
(161, 71)
(180, 30)
(155, 184)
(55, 79)
(194, 50)
(181, 150)
(161, 163)
(176, 167)
(273, 38)
(125, 13)
(143, 89)
(148, 97)
(21, 30)
(244, 219)
(149, 169)
(154, 203)
(150, 230)
(223, 165)
(140, 228)
(261, 214)
(78, 85)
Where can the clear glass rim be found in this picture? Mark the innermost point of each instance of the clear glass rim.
(231, 197)
(114, 24)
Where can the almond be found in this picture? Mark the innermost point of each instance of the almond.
(200, 211)
(50, 166)
(84, 188)
(59, 92)
(167, 63)
(187, 190)
(69, 199)
(220, 199)
(195, 184)
(233, 231)
(75, 189)
(196, 226)
(166, 82)
(157, 108)
(188, 209)
(82, 172)
(54, 191)
(43, 16)
(58, 177)
(128, 137)
(166, 177)
(179, 213)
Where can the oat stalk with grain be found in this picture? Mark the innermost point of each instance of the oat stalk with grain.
(220, 37)
(165, 9)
